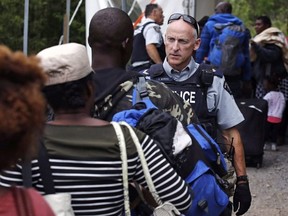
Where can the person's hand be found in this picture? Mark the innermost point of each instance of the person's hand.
(242, 198)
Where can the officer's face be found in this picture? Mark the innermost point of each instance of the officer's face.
(158, 16)
(180, 42)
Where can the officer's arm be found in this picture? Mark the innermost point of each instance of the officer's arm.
(232, 135)
(153, 53)
(242, 195)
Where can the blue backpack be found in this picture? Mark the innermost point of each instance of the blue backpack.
(201, 164)
(227, 52)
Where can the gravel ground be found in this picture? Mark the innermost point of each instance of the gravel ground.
(269, 185)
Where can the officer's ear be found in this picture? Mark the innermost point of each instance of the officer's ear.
(197, 44)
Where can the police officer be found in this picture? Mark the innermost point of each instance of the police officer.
(148, 44)
(207, 92)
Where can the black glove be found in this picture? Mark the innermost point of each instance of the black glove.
(242, 198)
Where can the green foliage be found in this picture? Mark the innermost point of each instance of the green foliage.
(11, 27)
(45, 23)
(46, 20)
(249, 10)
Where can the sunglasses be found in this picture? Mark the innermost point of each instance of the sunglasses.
(188, 19)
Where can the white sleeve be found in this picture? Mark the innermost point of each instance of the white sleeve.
(267, 96)
(152, 34)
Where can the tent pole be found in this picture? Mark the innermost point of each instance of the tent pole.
(26, 23)
(66, 22)
(124, 6)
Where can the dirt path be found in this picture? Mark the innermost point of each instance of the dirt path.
(269, 185)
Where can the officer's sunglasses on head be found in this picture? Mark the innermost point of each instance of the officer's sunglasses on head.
(188, 19)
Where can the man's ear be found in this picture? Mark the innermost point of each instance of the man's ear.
(125, 42)
(154, 11)
(197, 44)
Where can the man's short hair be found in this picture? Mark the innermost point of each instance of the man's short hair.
(266, 20)
(149, 8)
(223, 7)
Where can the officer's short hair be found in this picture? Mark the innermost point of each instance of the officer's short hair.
(149, 8)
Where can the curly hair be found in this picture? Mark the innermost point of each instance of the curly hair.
(22, 106)
(68, 96)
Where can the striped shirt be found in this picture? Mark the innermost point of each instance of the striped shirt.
(85, 162)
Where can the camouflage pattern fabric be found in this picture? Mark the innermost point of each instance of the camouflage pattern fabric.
(120, 98)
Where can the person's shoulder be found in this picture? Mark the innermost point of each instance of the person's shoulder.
(167, 100)
(281, 94)
(140, 134)
(210, 23)
(148, 23)
(161, 95)
(152, 26)
(158, 87)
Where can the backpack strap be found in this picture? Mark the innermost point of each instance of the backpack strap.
(141, 88)
(143, 27)
(44, 169)
(27, 174)
(140, 93)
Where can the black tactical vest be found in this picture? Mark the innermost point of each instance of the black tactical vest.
(139, 52)
(192, 90)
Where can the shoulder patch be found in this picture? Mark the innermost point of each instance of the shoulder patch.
(227, 88)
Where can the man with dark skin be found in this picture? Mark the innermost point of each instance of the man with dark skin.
(266, 51)
(239, 82)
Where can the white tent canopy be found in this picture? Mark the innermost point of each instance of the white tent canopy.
(195, 8)
(169, 7)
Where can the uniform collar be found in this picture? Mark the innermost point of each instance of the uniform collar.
(148, 20)
(183, 75)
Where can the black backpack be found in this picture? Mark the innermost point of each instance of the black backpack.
(200, 164)
(139, 52)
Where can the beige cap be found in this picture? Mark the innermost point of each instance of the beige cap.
(65, 63)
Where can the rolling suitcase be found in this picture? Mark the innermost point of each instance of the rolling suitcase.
(252, 129)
